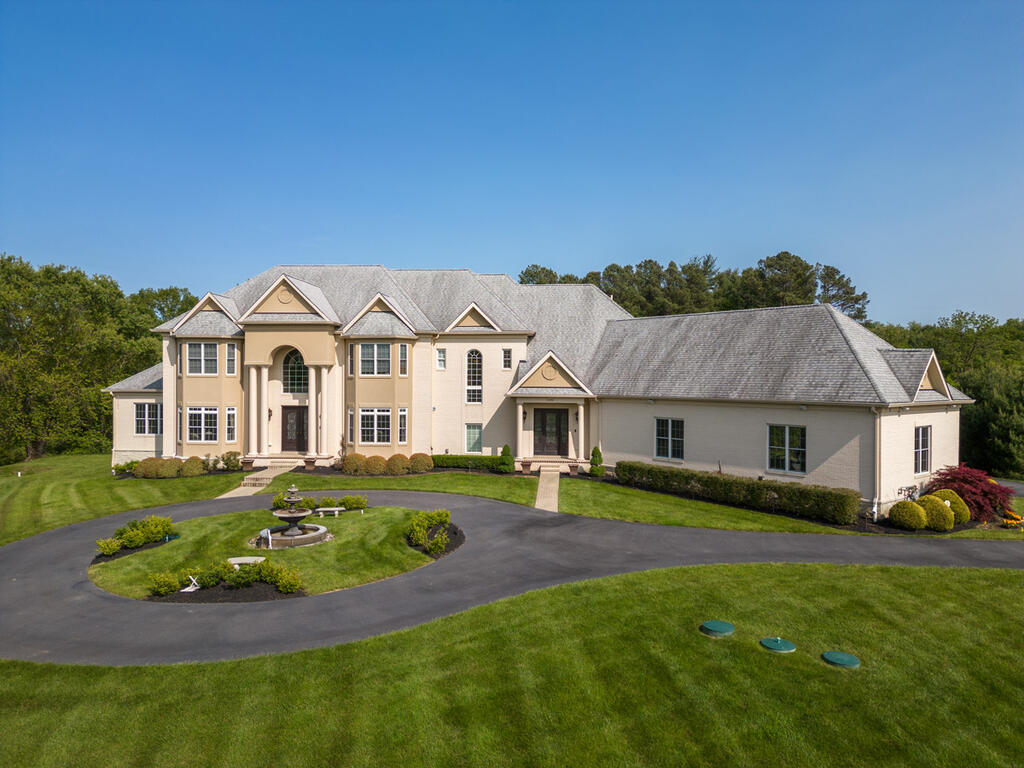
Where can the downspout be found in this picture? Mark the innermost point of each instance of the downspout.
(878, 463)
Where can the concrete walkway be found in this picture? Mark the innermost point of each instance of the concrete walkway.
(547, 489)
(257, 481)
(51, 611)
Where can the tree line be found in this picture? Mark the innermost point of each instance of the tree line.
(978, 355)
(65, 335)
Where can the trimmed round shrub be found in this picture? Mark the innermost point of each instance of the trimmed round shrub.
(398, 465)
(908, 515)
(109, 546)
(420, 462)
(232, 461)
(961, 514)
(163, 583)
(354, 464)
(375, 465)
(169, 468)
(193, 466)
(940, 517)
(148, 468)
(352, 502)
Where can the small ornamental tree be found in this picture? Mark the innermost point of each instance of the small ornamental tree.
(984, 496)
(596, 463)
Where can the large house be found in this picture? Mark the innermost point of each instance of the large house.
(315, 361)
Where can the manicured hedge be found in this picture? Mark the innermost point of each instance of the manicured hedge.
(940, 517)
(833, 505)
(961, 514)
(471, 461)
(908, 515)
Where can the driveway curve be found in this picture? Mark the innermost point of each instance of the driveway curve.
(51, 612)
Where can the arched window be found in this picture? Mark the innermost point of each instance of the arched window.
(294, 373)
(474, 377)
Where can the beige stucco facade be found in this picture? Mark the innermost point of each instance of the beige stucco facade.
(129, 446)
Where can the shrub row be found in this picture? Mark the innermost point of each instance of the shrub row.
(136, 533)
(833, 505)
(399, 464)
(938, 511)
(429, 530)
(155, 467)
(286, 579)
(503, 464)
(311, 502)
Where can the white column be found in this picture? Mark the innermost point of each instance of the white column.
(311, 431)
(326, 411)
(264, 405)
(519, 429)
(170, 368)
(579, 431)
(254, 409)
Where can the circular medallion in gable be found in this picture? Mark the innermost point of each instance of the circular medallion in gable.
(284, 296)
(549, 372)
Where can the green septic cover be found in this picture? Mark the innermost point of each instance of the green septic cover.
(778, 645)
(840, 659)
(716, 628)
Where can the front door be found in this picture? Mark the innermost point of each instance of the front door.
(293, 428)
(550, 431)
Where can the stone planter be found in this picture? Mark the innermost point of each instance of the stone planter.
(526, 467)
(310, 464)
(248, 465)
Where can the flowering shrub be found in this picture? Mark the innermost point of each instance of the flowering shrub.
(984, 496)
(1012, 520)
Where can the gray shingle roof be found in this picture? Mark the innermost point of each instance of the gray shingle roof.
(284, 317)
(149, 380)
(808, 354)
(957, 395)
(209, 323)
(168, 325)
(317, 297)
(908, 366)
(385, 324)
(444, 295)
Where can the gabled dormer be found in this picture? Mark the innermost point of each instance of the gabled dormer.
(472, 318)
(390, 318)
(289, 299)
(550, 373)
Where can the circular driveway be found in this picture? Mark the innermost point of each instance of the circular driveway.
(51, 612)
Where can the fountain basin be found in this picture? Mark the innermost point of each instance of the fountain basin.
(308, 534)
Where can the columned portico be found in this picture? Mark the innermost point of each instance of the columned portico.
(551, 429)
(253, 408)
(264, 406)
(311, 409)
(325, 412)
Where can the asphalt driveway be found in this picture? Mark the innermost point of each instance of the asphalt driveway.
(51, 612)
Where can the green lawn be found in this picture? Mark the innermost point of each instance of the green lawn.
(60, 490)
(517, 489)
(608, 672)
(366, 548)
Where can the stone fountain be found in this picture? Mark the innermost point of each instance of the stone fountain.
(294, 533)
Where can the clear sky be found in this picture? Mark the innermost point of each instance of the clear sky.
(197, 143)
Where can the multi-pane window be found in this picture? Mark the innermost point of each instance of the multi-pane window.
(202, 425)
(474, 377)
(202, 358)
(351, 426)
(230, 431)
(181, 362)
(442, 359)
(375, 425)
(787, 448)
(374, 359)
(294, 373)
(403, 426)
(230, 353)
(922, 450)
(179, 423)
(149, 418)
(506, 359)
(474, 438)
(403, 359)
(351, 359)
(668, 438)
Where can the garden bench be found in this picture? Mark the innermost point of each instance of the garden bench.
(335, 510)
(237, 561)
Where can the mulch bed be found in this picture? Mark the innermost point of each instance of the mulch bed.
(99, 558)
(256, 593)
(130, 476)
(456, 538)
(865, 525)
(331, 472)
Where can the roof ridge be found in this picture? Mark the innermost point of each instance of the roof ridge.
(832, 311)
(715, 311)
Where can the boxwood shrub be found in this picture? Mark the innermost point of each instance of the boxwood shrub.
(354, 464)
(398, 465)
(961, 514)
(833, 505)
(940, 517)
(908, 515)
(467, 461)
(375, 465)
(420, 462)
(193, 467)
(353, 502)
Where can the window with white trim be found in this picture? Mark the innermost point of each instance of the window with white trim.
(351, 426)
(506, 359)
(668, 439)
(474, 376)
(403, 426)
(202, 358)
(230, 431)
(442, 359)
(375, 426)
(202, 424)
(374, 359)
(787, 448)
(180, 362)
(351, 359)
(922, 450)
(179, 423)
(403, 359)
(149, 418)
(474, 438)
(230, 352)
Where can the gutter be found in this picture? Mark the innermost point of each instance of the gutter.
(878, 463)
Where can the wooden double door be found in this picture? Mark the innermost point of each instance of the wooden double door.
(293, 428)
(550, 431)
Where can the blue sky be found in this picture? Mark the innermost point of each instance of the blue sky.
(198, 143)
